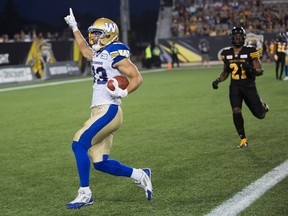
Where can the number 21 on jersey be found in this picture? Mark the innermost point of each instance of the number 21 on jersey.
(237, 72)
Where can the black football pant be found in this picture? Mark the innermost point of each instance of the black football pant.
(250, 96)
(280, 62)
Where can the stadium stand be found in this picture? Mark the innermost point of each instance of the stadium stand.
(215, 18)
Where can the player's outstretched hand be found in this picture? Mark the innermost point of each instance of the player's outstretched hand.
(118, 92)
(70, 20)
(216, 83)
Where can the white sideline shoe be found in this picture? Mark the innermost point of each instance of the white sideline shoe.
(145, 182)
(83, 199)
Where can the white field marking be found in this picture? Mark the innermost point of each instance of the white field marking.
(251, 193)
(43, 85)
(85, 79)
(60, 82)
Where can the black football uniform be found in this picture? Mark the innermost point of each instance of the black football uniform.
(242, 85)
(280, 50)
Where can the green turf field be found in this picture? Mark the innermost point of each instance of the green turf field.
(175, 123)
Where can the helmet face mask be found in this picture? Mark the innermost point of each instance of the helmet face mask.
(94, 37)
(237, 37)
(102, 33)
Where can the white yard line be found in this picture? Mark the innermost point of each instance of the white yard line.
(248, 195)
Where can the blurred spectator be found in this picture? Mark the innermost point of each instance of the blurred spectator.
(216, 17)
(23, 36)
(148, 57)
(174, 55)
(204, 49)
(271, 50)
(156, 56)
(265, 56)
(4, 38)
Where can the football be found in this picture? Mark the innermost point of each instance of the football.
(123, 82)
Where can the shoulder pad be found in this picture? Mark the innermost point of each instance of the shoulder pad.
(227, 48)
(252, 52)
(251, 48)
(118, 49)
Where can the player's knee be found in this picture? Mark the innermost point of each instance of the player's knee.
(77, 146)
(261, 116)
(101, 165)
(95, 157)
(77, 135)
(236, 110)
(97, 153)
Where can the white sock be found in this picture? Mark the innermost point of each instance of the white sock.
(136, 174)
(86, 189)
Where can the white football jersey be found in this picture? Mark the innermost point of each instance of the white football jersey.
(102, 71)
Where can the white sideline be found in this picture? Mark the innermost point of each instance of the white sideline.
(43, 85)
(251, 193)
(60, 82)
(81, 80)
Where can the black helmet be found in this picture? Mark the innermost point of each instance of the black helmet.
(281, 37)
(236, 40)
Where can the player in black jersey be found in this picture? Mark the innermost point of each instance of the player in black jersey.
(280, 54)
(243, 63)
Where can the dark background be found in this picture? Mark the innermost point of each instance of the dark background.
(47, 16)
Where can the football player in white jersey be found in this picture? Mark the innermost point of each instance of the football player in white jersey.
(94, 140)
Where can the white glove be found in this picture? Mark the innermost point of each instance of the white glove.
(70, 20)
(118, 92)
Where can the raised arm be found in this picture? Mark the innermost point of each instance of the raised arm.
(80, 40)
